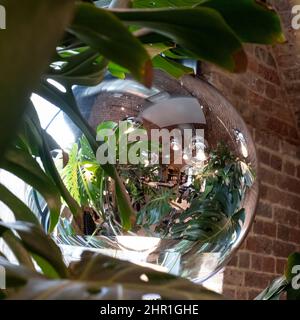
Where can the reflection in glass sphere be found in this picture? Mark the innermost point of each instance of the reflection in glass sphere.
(188, 164)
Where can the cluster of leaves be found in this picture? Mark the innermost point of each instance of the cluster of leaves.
(94, 277)
(215, 215)
(86, 181)
(156, 208)
(83, 176)
(23, 160)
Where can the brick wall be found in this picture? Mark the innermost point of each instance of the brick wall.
(268, 97)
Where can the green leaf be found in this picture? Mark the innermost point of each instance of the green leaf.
(18, 77)
(70, 174)
(47, 269)
(127, 214)
(165, 3)
(20, 211)
(156, 208)
(85, 68)
(17, 275)
(104, 32)
(39, 244)
(155, 49)
(39, 139)
(274, 291)
(97, 277)
(22, 164)
(15, 245)
(128, 275)
(106, 125)
(293, 259)
(173, 68)
(117, 71)
(252, 20)
(202, 31)
(86, 152)
(67, 103)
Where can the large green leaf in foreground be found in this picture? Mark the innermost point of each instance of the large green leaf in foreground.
(25, 52)
(104, 32)
(252, 20)
(203, 31)
(98, 277)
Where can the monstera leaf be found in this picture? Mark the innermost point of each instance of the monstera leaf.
(98, 277)
(196, 29)
(156, 208)
(83, 175)
(252, 21)
(23, 165)
(40, 246)
(104, 32)
(209, 225)
(93, 277)
(77, 66)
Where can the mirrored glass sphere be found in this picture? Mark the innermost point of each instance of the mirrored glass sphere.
(188, 166)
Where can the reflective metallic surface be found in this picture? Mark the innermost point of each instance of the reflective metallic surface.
(193, 211)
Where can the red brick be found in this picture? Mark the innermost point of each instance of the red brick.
(275, 125)
(283, 232)
(234, 261)
(269, 229)
(268, 98)
(284, 60)
(271, 91)
(289, 149)
(268, 74)
(229, 293)
(239, 90)
(289, 168)
(283, 249)
(269, 264)
(261, 227)
(256, 262)
(288, 234)
(266, 140)
(277, 196)
(298, 172)
(252, 293)
(259, 244)
(268, 176)
(286, 217)
(234, 277)
(280, 265)
(263, 55)
(264, 156)
(276, 162)
(264, 210)
(257, 280)
(244, 260)
(289, 184)
(242, 295)
(295, 236)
